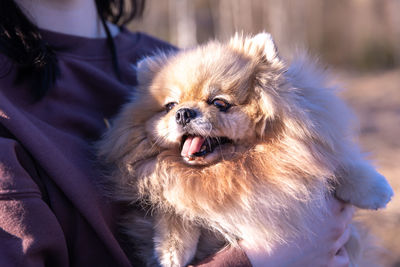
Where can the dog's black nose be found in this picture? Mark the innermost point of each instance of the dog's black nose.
(184, 115)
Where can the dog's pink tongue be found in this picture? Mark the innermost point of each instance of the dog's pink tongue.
(192, 145)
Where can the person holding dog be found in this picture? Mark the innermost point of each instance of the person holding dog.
(65, 66)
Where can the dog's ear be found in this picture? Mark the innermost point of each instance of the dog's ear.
(146, 68)
(259, 46)
(267, 45)
(149, 66)
(262, 48)
(142, 68)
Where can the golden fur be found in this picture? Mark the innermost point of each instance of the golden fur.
(291, 146)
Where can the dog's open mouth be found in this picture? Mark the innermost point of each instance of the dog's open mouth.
(197, 147)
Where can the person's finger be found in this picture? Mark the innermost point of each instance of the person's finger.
(341, 259)
(336, 205)
(342, 212)
(342, 240)
(348, 213)
(338, 225)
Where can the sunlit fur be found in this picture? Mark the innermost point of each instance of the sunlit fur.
(292, 146)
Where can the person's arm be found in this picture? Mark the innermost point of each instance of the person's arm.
(229, 256)
(324, 248)
(30, 234)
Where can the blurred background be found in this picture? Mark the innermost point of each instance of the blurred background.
(359, 40)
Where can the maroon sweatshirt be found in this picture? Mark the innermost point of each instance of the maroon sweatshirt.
(51, 211)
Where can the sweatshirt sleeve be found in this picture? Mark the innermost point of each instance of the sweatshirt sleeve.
(29, 232)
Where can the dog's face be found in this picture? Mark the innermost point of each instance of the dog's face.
(210, 102)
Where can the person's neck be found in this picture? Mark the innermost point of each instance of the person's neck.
(74, 17)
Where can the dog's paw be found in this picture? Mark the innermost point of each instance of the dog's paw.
(175, 241)
(376, 197)
(366, 193)
(174, 258)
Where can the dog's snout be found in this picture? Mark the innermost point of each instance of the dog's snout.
(184, 115)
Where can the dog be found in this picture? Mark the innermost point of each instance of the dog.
(226, 142)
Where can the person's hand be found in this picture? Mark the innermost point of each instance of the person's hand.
(325, 248)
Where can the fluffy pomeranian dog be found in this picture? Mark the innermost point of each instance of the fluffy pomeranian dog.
(228, 142)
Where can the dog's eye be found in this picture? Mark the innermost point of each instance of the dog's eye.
(221, 104)
(170, 106)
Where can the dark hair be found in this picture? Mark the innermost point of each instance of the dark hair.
(22, 42)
